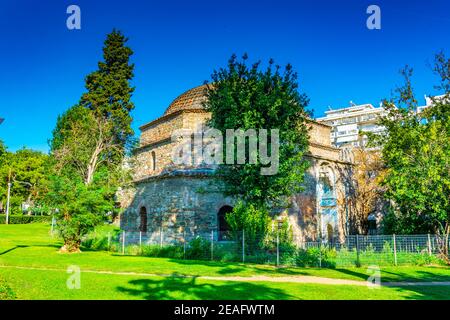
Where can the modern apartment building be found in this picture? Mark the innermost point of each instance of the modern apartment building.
(348, 123)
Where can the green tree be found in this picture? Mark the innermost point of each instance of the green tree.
(248, 97)
(28, 172)
(416, 153)
(109, 91)
(2, 151)
(89, 144)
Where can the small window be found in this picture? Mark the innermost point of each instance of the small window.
(153, 160)
(143, 219)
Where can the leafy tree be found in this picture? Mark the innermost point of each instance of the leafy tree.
(247, 97)
(416, 152)
(364, 194)
(247, 217)
(89, 144)
(80, 208)
(27, 170)
(2, 151)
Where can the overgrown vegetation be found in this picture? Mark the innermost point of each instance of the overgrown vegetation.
(416, 154)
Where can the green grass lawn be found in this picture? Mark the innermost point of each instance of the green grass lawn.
(32, 246)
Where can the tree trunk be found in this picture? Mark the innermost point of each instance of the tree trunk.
(92, 166)
(70, 246)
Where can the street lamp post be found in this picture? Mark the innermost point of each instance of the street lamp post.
(280, 225)
(8, 199)
(7, 202)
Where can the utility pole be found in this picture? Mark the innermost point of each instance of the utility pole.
(8, 199)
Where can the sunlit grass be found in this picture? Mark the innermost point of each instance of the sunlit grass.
(33, 246)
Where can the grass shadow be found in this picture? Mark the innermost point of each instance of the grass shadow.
(178, 287)
(13, 248)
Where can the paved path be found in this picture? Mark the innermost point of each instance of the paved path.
(290, 279)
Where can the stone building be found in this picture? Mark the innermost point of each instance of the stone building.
(186, 200)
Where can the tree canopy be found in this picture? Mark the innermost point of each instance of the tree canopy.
(28, 172)
(248, 97)
(416, 153)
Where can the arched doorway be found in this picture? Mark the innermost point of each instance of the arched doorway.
(143, 219)
(222, 224)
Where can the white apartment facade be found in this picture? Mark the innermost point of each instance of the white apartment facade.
(349, 122)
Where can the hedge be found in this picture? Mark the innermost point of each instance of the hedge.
(24, 219)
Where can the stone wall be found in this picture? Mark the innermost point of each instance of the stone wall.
(178, 204)
(319, 133)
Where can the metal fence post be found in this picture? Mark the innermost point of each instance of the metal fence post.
(140, 242)
(429, 245)
(320, 255)
(123, 243)
(278, 247)
(358, 262)
(184, 244)
(212, 245)
(243, 246)
(395, 250)
(160, 237)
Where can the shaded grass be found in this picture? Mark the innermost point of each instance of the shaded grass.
(51, 285)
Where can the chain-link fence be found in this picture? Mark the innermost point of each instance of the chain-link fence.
(276, 248)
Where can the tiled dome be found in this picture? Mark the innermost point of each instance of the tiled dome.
(191, 99)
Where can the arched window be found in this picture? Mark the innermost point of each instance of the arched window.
(153, 160)
(222, 224)
(143, 219)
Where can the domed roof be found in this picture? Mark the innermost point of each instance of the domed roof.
(191, 99)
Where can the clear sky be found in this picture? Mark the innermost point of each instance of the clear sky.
(177, 44)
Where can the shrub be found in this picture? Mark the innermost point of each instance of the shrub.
(98, 239)
(25, 219)
(6, 292)
(253, 220)
(226, 252)
(167, 251)
(198, 248)
(288, 253)
(316, 257)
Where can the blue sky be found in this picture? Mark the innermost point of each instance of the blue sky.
(177, 45)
